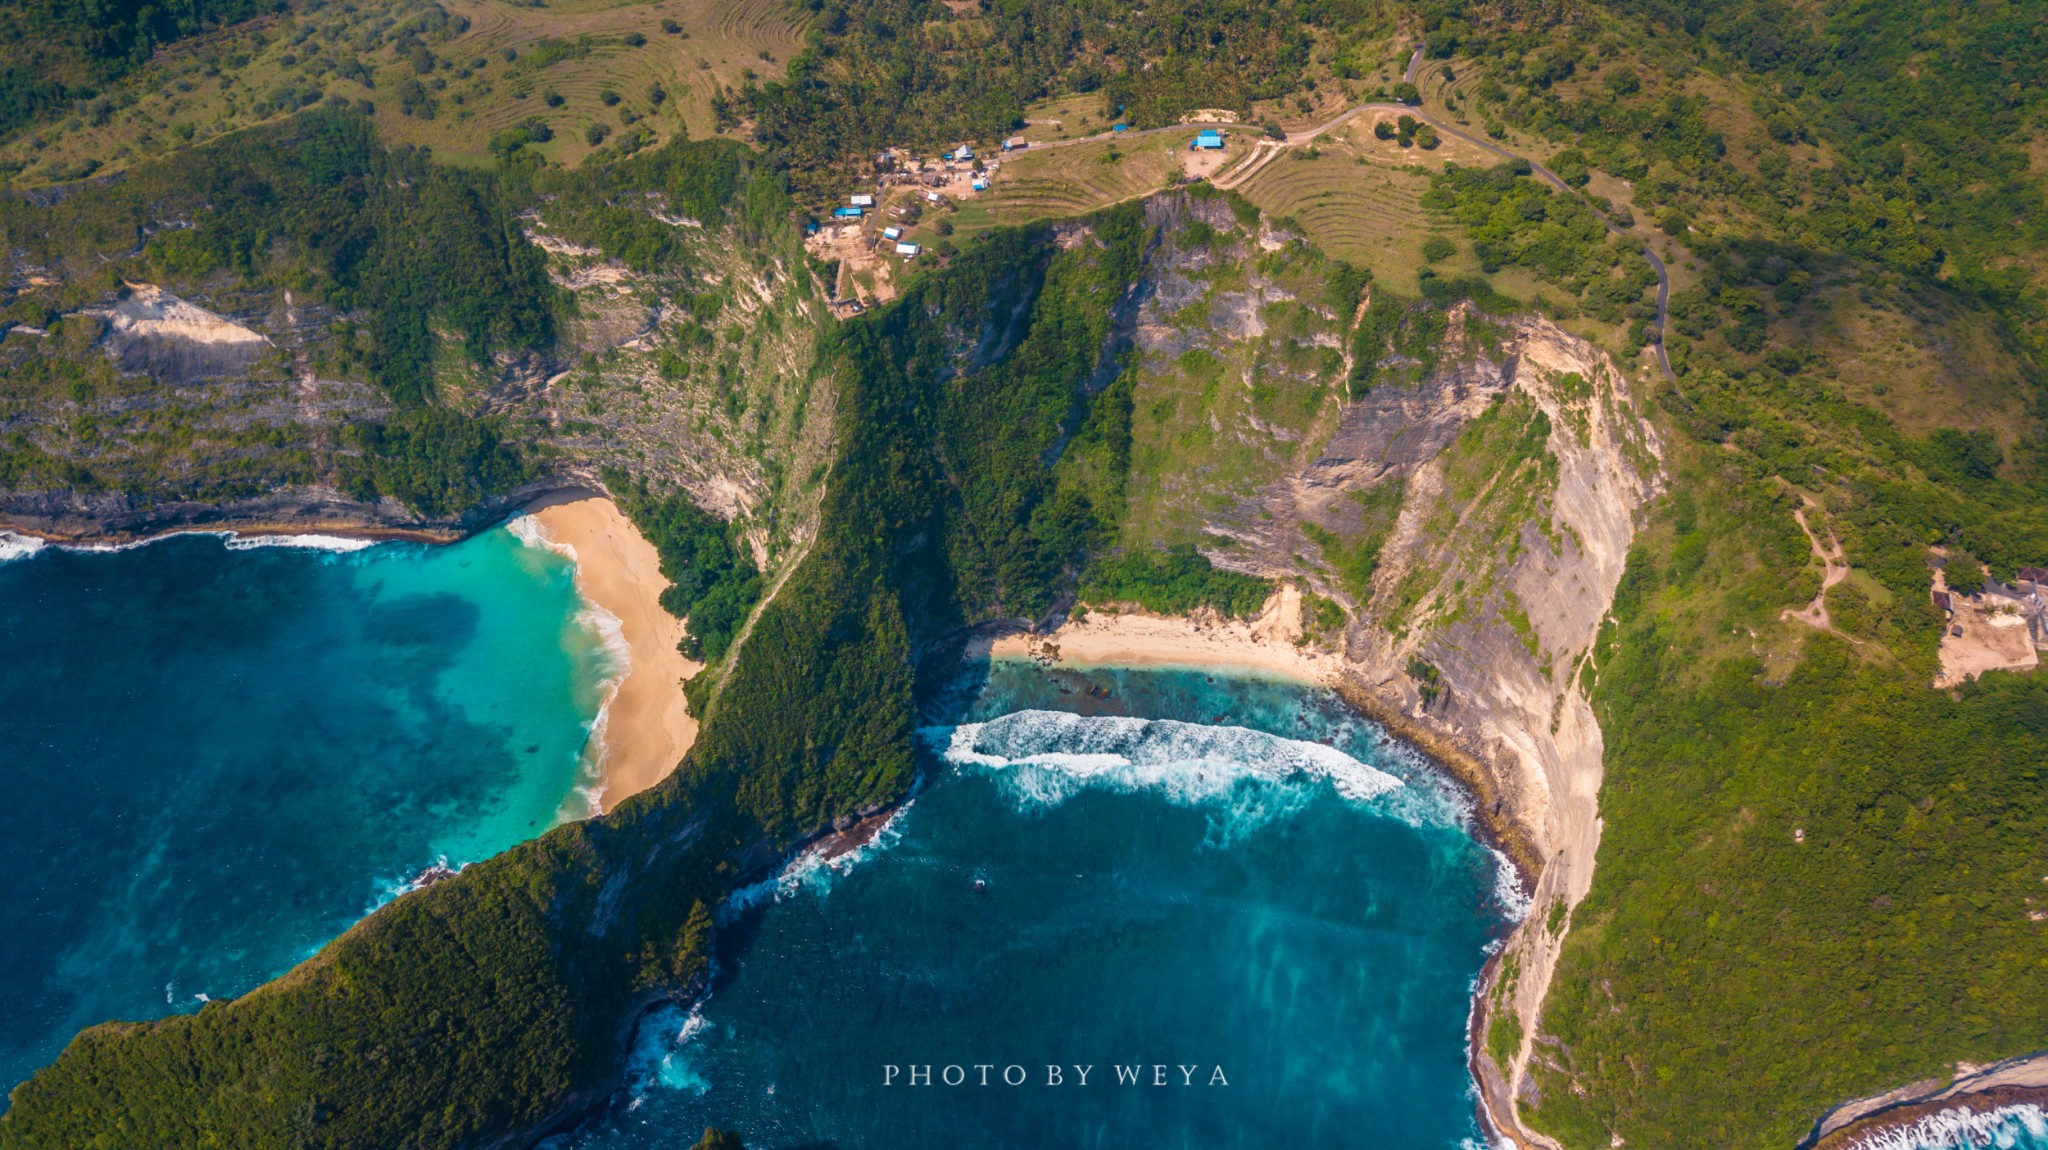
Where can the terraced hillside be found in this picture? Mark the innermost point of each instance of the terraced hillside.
(466, 78)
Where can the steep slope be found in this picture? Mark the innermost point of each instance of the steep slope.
(487, 1008)
(1473, 515)
(177, 381)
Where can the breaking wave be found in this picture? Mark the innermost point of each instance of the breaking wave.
(1044, 758)
(816, 868)
(2022, 1127)
(14, 546)
(610, 633)
(301, 542)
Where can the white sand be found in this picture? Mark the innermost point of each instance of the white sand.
(647, 726)
(1205, 639)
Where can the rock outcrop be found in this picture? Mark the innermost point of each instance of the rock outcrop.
(1473, 513)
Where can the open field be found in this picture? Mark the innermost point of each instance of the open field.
(448, 77)
(1067, 118)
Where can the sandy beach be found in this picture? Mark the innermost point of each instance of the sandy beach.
(646, 726)
(1266, 643)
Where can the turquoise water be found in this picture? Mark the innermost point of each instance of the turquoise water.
(218, 759)
(1284, 935)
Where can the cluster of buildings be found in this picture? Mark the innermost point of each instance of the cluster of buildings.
(955, 173)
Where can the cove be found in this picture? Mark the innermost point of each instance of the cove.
(1226, 884)
(218, 757)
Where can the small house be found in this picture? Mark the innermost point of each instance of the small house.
(980, 185)
(892, 233)
(965, 153)
(932, 197)
(862, 201)
(1942, 601)
(1016, 144)
(1209, 141)
(1121, 128)
(848, 213)
(907, 249)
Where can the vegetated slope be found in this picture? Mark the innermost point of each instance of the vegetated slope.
(470, 79)
(1455, 485)
(1816, 872)
(494, 1002)
(53, 52)
(919, 72)
(390, 329)
(1811, 212)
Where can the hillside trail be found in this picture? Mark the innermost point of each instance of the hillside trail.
(1834, 569)
(1265, 151)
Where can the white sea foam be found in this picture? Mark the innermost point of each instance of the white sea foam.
(1957, 1128)
(113, 548)
(611, 635)
(811, 870)
(313, 542)
(660, 1055)
(610, 631)
(1515, 903)
(390, 889)
(1047, 757)
(527, 529)
(14, 546)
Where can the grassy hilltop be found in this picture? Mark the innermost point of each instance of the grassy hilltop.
(1817, 870)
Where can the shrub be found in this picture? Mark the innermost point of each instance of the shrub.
(1964, 574)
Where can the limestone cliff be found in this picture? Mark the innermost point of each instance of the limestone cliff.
(1472, 512)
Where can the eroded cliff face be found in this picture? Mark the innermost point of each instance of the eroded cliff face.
(1472, 512)
(1487, 604)
(230, 407)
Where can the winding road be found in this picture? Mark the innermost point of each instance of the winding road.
(1265, 152)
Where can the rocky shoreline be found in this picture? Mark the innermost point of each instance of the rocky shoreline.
(2017, 1081)
(119, 519)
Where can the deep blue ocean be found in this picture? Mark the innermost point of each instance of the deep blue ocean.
(216, 759)
(1249, 922)
(1176, 909)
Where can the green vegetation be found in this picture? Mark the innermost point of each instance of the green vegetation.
(1726, 981)
(1354, 560)
(713, 583)
(1722, 984)
(54, 52)
(318, 206)
(1429, 682)
(1715, 950)
(1020, 527)
(426, 260)
(480, 1005)
(426, 73)
(433, 460)
(1177, 581)
(1503, 1026)
(879, 73)
(1516, 221)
